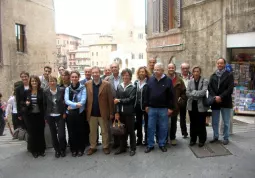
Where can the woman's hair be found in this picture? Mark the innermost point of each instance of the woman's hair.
(1, 95)
(147, 72)
(38, 82)
(127, 71)
(197, 67)
(75, 72)
(53, 78)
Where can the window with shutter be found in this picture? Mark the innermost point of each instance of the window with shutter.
(165, 9)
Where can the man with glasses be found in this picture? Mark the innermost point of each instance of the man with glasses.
(61, 69)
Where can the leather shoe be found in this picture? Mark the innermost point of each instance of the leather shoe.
(35, 155)
(91, 151)
(74, 154)
(63, 154)
(225, 142)
(214, 140)
(80, 154)
(42, 154)
(192, 143)
(119, 151)
(148, 149)
(132, 153)
(57, 154)
(106, 151)
(163, 148)
(201, 144)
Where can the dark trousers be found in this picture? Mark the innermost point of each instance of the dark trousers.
(183, 111)
(197, 126)
(129, 122)
(76, 129)
(35, 128)
(173, 127)
(16, 122)
(57, 130)
(2, 125)
(139, 123)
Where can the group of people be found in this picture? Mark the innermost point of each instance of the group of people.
(156, 97)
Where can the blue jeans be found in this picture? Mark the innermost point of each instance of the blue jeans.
(157, 115)
(225, 112)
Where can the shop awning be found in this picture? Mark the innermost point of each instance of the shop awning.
(241, 40)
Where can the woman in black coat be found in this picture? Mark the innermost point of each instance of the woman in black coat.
(141, 86)
(124, 101)
(54, 107)
(35, 117)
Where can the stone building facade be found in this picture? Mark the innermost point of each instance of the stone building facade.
(27, 39)
(196, 31)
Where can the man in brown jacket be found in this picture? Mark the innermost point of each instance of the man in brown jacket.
(99, 110)
(180, 99)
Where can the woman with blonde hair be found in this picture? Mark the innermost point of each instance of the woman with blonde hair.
(143, 75)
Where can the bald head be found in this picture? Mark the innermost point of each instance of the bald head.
(185, 69)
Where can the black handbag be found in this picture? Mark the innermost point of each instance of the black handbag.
(118, 128)
(207, 101)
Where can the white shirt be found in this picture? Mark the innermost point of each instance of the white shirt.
(11, 104)
(116, 82)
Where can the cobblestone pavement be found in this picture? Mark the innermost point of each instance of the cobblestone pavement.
(177, 162)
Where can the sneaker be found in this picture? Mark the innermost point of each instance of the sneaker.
(225, 142)
(173, 142)
(91, 151)
(214, 140)
(106, 151)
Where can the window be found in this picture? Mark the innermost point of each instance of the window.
(92, 54)
(67, 42)
(140, 36)
(70, 63)
(97, 63)
(171, 14)
(93, 63)
(58, 41)
(96, 53)
(132, 56)
(20, 37)
(140, 55)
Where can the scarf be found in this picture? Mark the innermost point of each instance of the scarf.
(219, 73)
(73, 91)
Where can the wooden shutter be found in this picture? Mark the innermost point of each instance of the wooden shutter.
(165, 9)
(156, 15)
(179, 13)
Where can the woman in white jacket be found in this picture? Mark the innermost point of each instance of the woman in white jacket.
(12, 108)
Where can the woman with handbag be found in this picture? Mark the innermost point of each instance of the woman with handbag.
(124, 101)
(196, 92)
(35, 117)
(75, 98)
(141, 86)
(54, 107)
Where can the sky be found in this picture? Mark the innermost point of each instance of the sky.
(76, 17)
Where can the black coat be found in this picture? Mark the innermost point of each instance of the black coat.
(47, 101)
(39, 101)
(143, 94)
(20, 99)
(127, 99)
(225, 89)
